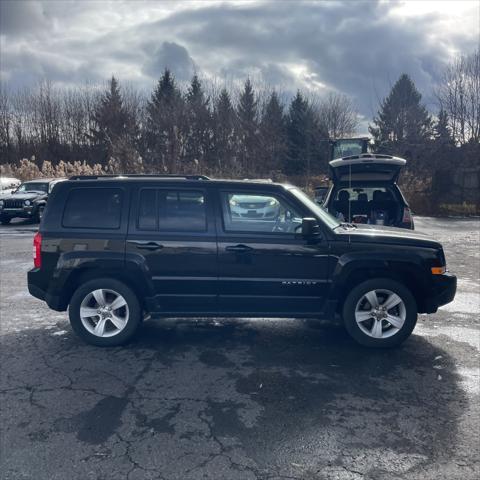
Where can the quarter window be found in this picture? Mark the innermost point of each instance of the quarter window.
(93, 208)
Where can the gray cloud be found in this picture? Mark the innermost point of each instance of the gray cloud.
(22, 17)
(172, 56)
(356, 48)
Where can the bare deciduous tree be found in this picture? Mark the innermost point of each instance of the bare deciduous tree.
(459, 96)
(338, 115)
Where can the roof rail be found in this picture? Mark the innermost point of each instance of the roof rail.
(259, 180)
(139, 175)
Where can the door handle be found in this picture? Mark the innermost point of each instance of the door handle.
(146, 245)
(239, 248)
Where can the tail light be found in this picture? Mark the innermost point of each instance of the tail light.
(37, 250)
(407, 215)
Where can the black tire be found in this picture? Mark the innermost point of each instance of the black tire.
(355, 296)
(134, 308)
(39, 214)
(5, 220)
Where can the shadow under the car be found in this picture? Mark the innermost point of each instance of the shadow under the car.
(20, 225)
(312, 386)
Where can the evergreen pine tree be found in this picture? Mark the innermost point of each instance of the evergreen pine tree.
(114, 130)
(273, 135)
(247, 128)
(402, 120)
(197, 125)
(442, 132)
(299, 134)
(224, 138)
(164, 118)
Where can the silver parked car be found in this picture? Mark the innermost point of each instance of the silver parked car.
(251, 206)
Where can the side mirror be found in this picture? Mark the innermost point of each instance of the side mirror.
(310, 227)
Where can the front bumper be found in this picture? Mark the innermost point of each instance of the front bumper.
(26, 212)
(442, 292)
(255, 213)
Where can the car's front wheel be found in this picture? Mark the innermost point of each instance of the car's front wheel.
(39, 214)
(380, 313)
(4, 220)
(105, 312)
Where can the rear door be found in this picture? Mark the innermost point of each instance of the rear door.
(265, 267)
(172, 231)
(366, 168)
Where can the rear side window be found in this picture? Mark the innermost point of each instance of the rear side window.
(93, 208)
(172, 210)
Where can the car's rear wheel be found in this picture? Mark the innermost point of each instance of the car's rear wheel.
(105, 312)
(380, 313)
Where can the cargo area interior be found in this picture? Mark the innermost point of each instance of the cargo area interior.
(370, 205)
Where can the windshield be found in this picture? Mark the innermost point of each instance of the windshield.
(328, 219)
(33, 187)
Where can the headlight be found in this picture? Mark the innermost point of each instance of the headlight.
(1, 203)
(272, 202)
(27, 203)
(233, 203)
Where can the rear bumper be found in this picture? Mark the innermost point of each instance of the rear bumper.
(36, 289)
(442, 292)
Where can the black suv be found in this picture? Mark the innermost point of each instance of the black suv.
(113, 249)
(27, 201)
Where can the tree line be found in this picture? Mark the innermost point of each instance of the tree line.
(245, 132)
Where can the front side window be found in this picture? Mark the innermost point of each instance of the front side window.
(324, 216)
(258, 212)
(93, 208)
(172, 210)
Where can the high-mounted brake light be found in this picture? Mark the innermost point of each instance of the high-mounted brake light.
(407, 215)
(37, 250)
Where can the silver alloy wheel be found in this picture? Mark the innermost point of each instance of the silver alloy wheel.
(104, 313)
(380, 313)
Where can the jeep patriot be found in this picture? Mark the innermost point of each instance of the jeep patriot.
(112, 249)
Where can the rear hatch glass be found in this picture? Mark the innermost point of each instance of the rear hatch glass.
(366, 168)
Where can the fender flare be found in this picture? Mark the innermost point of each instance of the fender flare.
(395, 265)
(75, 267)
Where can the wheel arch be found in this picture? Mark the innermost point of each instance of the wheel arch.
(410, 274)
(130, 277)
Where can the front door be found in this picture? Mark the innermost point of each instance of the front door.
(265, 266)
(172, 231)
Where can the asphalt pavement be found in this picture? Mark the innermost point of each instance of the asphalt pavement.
(240, 398)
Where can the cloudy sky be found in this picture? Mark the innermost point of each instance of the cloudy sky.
(358, 48)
